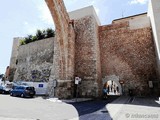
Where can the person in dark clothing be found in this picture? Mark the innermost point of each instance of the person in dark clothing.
(117, 88)
(104, 92)
(108, 89)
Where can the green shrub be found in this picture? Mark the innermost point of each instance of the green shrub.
(28, 39)
(40, 34)
(22, 42)
(34, 38)
(50, 33)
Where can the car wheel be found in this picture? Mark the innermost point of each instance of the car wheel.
(31, 96)
(11, 94)
(3, 92)
(22, 95)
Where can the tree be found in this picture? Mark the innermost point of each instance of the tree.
(40, 34)
(28, 39)
(50, 33)
(34, 38)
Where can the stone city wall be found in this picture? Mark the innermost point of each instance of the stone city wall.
(87, 56)
(128, 54)
(13, 59)
(34, 61)
(83, 48)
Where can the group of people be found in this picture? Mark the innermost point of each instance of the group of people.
(110, 89)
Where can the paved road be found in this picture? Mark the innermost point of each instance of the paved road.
(94, 110)
(136, 108)
(123, 108)
(16, 108)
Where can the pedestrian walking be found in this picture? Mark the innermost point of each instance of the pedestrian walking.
(104, 92)
(108, 89)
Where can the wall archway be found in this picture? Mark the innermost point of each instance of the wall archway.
(112, 78)
(64, 47)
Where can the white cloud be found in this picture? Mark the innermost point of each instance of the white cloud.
(31, 28)
(138, 2)
(25, 23)
(45, 14)
(71, 5)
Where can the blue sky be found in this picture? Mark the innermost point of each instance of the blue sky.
(20, 18)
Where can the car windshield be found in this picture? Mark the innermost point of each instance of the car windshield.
(30, 88)
(20, 87)
(9, 86)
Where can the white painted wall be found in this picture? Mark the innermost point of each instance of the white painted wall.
(154, 14)
(136, 22)
(87, 11)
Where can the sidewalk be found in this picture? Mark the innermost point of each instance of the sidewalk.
(69, 100)
(115, 106)
(134, 108)
(77, 100)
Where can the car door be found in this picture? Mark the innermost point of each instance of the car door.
(20, 90)
(15, 91)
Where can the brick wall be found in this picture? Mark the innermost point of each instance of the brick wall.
(129, 54)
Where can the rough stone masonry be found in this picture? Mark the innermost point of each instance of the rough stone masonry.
(122, 51)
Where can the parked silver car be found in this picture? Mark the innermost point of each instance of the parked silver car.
(5, 89)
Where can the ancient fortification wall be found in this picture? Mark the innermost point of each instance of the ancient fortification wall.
(128, 54)
(13, 59)
(87, 53)
(35, 60)
(87, 58)
(63, 63)
(123, 51)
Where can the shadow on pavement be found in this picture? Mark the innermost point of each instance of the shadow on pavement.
(92, 106)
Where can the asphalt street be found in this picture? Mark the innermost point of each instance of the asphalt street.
(16, 108)
(113, 108)
(94, 110)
